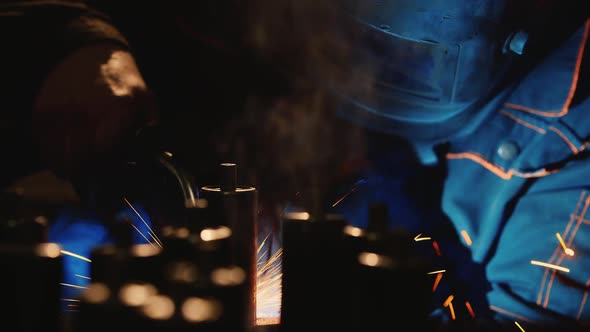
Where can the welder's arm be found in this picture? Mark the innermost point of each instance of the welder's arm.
(524, 288)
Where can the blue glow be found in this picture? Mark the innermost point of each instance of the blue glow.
(141, 221)
(79, 231)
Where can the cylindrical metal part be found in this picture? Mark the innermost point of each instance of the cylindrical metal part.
(378, 218)
(229, 286)
(114, 266)
(236, 207)
(229, 177)
(30, 286)
(24, 230)
(391, 278)
(317, 285)
(122, 277)
(122, 232)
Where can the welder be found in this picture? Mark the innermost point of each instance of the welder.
(71, 96)
(495, 93)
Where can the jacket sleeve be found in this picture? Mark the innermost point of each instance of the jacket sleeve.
(541, 266)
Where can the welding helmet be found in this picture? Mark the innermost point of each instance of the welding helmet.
(427, 62)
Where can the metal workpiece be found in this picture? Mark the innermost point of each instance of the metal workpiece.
(31, 272)
(24, 230)
(230, 287)
(336, 276)
(122, 231)
(215, 248)
(199, 273)
(236, 207)
(30, 286)
(122, 279)
(114, 265)
(182, 177)
(317, 285)
(391, 277)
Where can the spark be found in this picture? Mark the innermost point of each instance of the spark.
(71, 300)
(150, 231)
(262, 245)
(435, 272)
(344, 196)
(551, 266)
(268, 284)
(419, 238)
(74, 286)
(452, 310)
(466, 237)
(140, 233)
(448, 300)
(436, 248)
(75, 305)
(69, 253)
(436, 281)
(81, 276)
(470, 309)
(520, 327)
(568, 251)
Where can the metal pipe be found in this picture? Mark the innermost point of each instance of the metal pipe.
(184, 181)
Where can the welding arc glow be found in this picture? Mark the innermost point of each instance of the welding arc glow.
(268, 283)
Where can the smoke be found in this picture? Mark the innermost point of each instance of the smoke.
(294, 141)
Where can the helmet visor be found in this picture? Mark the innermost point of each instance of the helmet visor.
(399, 65)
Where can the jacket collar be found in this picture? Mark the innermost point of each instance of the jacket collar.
(550, 87)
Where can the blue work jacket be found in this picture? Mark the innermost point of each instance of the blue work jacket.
(518, 193)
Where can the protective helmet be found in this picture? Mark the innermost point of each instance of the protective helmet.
(430, 61)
